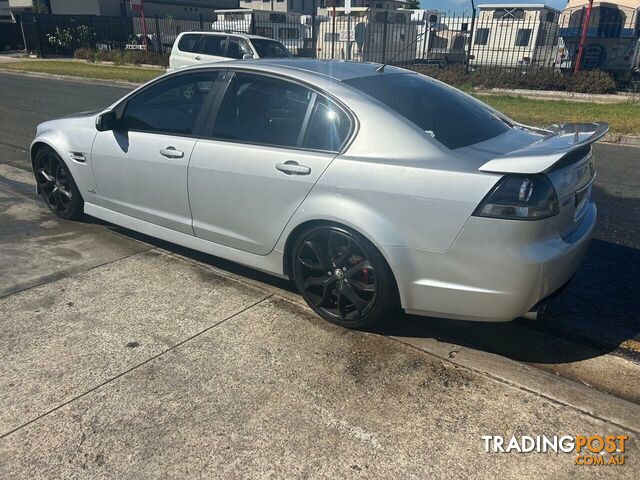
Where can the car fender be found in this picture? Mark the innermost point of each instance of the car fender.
(72, 141)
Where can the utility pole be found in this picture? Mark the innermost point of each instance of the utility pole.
(583, 38)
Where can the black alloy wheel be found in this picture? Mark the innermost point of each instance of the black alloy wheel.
(342, 276)
(56, 185)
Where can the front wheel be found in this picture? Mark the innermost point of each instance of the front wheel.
(342, 276)
(56, 185)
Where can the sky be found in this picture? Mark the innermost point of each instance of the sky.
(459, 5)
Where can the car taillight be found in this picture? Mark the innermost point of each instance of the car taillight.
(520, 197)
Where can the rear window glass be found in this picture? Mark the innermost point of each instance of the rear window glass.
(452, 118)
(188, 43)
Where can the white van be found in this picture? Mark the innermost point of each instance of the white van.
(194, 48)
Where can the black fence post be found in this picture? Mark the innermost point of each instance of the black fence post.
(471, 39)
(201, 22)
(384, 37)
(158, 34)
(37, 35)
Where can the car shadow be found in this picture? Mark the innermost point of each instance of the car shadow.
(571, 331)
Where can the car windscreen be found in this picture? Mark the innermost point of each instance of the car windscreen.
(270, 48)
(452, 118)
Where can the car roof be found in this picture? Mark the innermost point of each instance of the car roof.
(334, 69)
(237, 34)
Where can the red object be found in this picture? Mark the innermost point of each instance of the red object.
(138, 6)
(583, 38)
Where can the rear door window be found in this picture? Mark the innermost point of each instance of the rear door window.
(214, 45)
(328, 127)
(451, 117)
(263, 110)
(188, 42)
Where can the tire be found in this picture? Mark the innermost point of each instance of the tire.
(342, 276)
(56, 185)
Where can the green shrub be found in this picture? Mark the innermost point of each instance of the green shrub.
(85, 54)
(126, 57)
(591, 81)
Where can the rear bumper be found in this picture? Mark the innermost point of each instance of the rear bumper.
(494, 271)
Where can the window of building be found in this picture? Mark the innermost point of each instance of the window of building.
(523, 37)
(508, 14)
(482, 36)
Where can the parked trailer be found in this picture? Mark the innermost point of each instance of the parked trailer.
(515, 35)
(441, 40)
(613, 37)
(291, 29)
(368, 35)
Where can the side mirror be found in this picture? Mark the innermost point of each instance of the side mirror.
(247, 56)
(106, 121)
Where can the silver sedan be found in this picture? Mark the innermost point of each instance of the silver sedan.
(368, 185)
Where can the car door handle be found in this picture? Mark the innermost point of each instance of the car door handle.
(171, 152)
(293, 168)
(197, 57)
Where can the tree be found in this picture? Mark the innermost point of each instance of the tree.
(412, 4)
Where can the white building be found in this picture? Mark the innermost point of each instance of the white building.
(183, 9)
(286, 6)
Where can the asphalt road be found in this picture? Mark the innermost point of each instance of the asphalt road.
(125, 357)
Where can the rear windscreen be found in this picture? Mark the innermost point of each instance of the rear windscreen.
(454, 119)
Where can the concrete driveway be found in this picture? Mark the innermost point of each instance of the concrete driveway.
(125, 357)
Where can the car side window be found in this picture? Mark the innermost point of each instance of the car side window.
(215, 45)
(328, 127)
(171, 106)
(264, 110)
(188, 42)
(238, 48)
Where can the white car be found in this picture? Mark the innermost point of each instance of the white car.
(195, 48)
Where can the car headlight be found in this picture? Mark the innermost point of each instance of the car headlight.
(520, 197)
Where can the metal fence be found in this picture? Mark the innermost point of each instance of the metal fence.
(538, 42)
(10, 37)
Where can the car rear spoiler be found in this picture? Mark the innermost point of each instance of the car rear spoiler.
(559, 142)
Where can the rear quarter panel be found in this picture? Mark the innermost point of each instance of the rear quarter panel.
(396, 205)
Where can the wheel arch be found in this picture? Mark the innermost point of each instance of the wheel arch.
(38, 145)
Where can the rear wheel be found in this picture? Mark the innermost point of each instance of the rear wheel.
(342, 276)
(56, 185)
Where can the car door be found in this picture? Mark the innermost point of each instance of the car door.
(140, 167)
(266, 145)
(211, 48)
